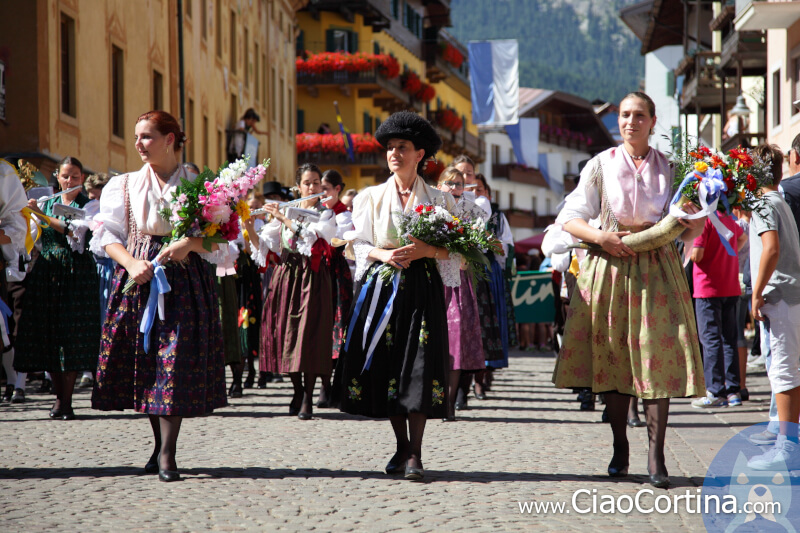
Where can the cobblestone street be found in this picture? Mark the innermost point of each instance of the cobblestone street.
(252, 467)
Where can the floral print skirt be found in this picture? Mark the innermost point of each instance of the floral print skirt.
(463, 326)
(408, 371)
(184, 372)
(631, 328)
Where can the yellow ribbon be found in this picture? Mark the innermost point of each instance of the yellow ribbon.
(28, 214)
(573, 266)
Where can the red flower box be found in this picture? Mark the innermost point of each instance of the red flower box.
(452, 55)
(363, 143)
(342, 61)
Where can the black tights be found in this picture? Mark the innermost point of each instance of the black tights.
(409, 437)
(656, 415)
(303, 384)
(63, 386)
(165, 433)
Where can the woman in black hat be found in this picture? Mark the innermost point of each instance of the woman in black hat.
(395, 359)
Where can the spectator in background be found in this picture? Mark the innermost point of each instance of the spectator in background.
(775, 268)
(348, 197)
(324, 129)
(248, 122)
(717, 290)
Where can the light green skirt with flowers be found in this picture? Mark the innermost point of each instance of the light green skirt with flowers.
(631, 328)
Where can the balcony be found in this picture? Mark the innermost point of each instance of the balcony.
(746, 139)
(702, 88)
(761, 15)
(438, 68)
(458, 142)
(337, 159)
(385, 93)
(519, 218)
(376, 13)
(519, 174)
(746, 50)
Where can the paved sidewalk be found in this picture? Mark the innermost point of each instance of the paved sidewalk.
(252, 467)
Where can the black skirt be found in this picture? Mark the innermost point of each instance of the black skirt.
(408, 371)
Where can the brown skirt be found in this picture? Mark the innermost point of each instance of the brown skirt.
(297, 320)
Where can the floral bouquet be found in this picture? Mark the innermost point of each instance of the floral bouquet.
(434, 225)
(736, 176)
(212, 205)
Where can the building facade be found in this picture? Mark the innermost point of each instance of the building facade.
(77, 74)
(372, 58)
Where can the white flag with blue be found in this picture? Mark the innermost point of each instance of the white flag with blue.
(494, 82)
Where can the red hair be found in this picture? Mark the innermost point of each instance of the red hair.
(165, 124)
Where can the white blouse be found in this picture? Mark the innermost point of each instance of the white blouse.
(374, 225)
(12, 201)
(147, 198)
(300, 237)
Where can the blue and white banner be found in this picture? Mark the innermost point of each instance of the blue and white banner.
(494, 82)
(524, 138)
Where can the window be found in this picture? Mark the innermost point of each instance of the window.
(569, 167)
(341, 41)
(301, 121)
(233, 42)
(670, 83)
(190, 129)
(289, 115)
(221, 156)
(274, 94)
(511, 155)
(547, 206)
(204, 19)
(117, 95)
(776, 98)
(218, 22)
(205, 142)
(412, 21)
(396, 9)
(68, 65)
(367, 122)
(234, 114)
(281, 105)
(795, 83)
(158, 90)
(257, 56)
(300, 46)
(511, 200)
(264, 79)
(377, 123)
(495, 154)
(534, 205)
(246, 59)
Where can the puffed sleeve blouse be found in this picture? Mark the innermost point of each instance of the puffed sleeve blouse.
(374, 225)
(12, 201)
(299, 237)
(637, 197)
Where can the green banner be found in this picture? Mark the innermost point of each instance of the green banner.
(532, 294)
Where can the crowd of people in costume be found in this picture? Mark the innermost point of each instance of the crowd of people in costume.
(299, 293)
(280, 300)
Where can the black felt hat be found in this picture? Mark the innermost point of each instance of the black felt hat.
(411, 127)
(273, 187)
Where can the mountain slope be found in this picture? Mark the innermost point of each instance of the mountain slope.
(577, 46)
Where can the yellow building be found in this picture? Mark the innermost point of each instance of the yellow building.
(77, 74)
(409, 31)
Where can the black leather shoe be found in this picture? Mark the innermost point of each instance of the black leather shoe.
(68, 414)
(449, 418)
(323, 404)
(481, 396)
(414, 474)
(45, 387)
(745, 395)
(168, 476)
(305, 416)
(636, 423)
(55, 414)
(461, 405)
(395, 465)
(262, 380)
(659, 481)
(236, 391)
(9, 393)
(249, 380)
(152, 464)
(277, 378)
(616, 471)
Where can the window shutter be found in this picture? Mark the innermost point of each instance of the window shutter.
(330, 44)
(301, 121)
(367, 122)
(352, 42)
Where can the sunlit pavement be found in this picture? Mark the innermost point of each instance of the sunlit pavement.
(250, 466)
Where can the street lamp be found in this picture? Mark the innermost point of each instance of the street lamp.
(740, 109)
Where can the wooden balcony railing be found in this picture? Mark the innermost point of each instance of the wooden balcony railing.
(519, 174)
(336, 158)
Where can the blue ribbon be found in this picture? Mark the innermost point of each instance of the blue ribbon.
(359, 304)
(715, 189)
(6, 312)
(158, 286)
(378, 331)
